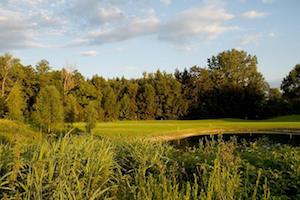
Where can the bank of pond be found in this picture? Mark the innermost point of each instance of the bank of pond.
(287, 138)
(92, 167)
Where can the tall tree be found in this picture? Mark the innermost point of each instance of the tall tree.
(275, 104)
(71, 109)
(124, 107)
(291, 84)
(291, 89)
(146, 101)
(43, 67)
(68, 80)
(240, 90)
(91, 116)
(49, 108)
(127, 96)
(109, 104)
(7, 66)
(15, 103)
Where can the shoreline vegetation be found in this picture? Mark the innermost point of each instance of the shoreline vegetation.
(88, 167)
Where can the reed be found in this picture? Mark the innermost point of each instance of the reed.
(87, 167)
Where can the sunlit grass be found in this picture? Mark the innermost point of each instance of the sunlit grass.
(86, 167)
(89, 167)
(196, 127)
(12, 130)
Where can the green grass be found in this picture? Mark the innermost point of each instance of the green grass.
(12, 130)
(87, 167)
(181, 128)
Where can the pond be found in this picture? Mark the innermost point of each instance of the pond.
(281, 138)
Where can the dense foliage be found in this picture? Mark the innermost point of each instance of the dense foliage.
(230, 86)
(85, 167)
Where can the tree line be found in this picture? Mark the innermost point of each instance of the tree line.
(229, 86)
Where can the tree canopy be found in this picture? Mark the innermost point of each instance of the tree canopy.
(229, 86)
(291, 89)
(49, 108)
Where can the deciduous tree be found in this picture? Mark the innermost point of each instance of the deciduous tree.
(291, 83)
(291, 89)
(49, 108)
(16, 103)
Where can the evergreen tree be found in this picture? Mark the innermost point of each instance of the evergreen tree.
(179, 104)
(109, 104)
(91, 116)
(71, 109)
(49, 108)
(146, 101)
(125, 107)
(132, 93)
(16, 103)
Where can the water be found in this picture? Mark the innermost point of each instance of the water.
(279, 138)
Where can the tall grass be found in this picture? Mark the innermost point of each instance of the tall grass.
(70, 168)
(85, 167)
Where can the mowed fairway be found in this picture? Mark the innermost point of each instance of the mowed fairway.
(172, 129)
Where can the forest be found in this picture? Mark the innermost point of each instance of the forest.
(230, 86)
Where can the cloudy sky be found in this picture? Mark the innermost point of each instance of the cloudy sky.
(127, 37)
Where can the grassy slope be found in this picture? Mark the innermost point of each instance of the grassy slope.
(178, 128)
(12, 131)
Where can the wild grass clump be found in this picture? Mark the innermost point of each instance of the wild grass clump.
(87, 167)
(13, 130)
(70, 168)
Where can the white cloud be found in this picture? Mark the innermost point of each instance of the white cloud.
(16, 30)
(136, 27)
(88, 14)
(207, 21)
(166, 2)
(250, 39)
(27, 24)
(47, 20)
(94, 22)
(272, 34)
(33, 2)
(109, 14)
(253, 14)
(88, 53)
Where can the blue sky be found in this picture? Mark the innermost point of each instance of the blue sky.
(127, 37)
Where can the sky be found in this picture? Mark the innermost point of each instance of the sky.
(128, 37)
